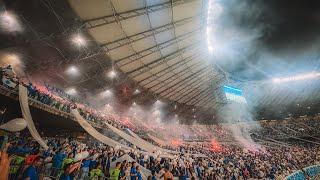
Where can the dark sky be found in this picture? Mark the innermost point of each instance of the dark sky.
(289, 21)
(288, 36)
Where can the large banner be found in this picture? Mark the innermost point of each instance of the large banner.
(23, 99)
(94, 133)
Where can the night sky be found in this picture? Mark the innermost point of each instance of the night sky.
(288, 36)
(289, 21)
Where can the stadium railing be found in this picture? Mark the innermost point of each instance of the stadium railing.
(311, 172)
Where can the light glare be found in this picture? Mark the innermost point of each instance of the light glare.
(106, 93)
(71, 91)
(73, 70)
(297, 78)
(213, 12)
(137, 91)
(9, 22)
(112, 74)
(79, 40)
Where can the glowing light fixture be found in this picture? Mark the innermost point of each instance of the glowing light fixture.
(300, 77)
(79, 40)
(10, 59)
(137, 91)
(71, 91)
(112, 74)
(9, 22)
(73, 70)
(106, 93)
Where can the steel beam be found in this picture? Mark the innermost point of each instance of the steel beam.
(197, 95)
(162, 60)
(184, 71)
(187, 87)
(141, 54)
(183, 80)
(174, 66)
(145, 34)
(174, 79)
(205, 100)
(203, 97)
(104, 20)
(195, 101)
(149, 69)
(200, 83)
(182, 93)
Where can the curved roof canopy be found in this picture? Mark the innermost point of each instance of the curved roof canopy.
(160, 44)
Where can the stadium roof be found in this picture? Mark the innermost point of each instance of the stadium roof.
(158, 44)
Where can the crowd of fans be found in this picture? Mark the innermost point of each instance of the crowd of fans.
(229, 162)
(223, 161)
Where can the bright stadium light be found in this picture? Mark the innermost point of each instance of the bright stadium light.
(137, 91)
(300, 77)
(112, 74)
(10, 59)
(73, 70)
(79, 40)
(9, 22)
(71, 91)
(106, 93)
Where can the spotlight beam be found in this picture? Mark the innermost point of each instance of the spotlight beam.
(300, 77)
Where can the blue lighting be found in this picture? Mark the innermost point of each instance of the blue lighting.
(234, 94)
(232, 90)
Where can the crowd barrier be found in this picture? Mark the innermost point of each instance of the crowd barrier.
(310, 172)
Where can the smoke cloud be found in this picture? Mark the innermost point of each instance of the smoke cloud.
(255, 39)
(240, 122)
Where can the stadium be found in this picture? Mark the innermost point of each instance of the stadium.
(159, 89)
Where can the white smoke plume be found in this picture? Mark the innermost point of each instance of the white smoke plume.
(240, 122)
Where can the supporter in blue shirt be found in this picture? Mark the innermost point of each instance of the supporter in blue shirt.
(57, 162)
(153, 177)
(58, 158)
(31, 172)
(133, 171)
(85, 168)
(66, 175)
(93, 163)
(139, 176)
